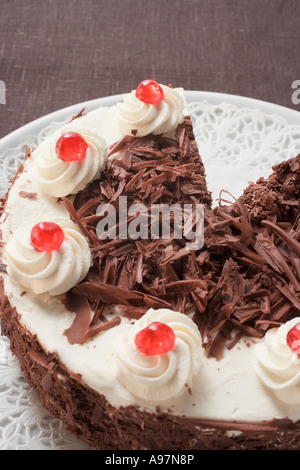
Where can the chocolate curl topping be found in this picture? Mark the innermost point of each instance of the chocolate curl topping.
(242, 279)
(290, 241)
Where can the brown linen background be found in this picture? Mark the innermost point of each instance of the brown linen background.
(58, 53)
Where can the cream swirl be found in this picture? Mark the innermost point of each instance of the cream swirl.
(158, 378)
(277, 366)
(140, 119)
(59, 178)
(55, 272)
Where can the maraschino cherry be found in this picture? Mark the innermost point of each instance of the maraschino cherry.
(156, 339)
(47, 236)
(71, 147)
(293, 339)
(149, 92)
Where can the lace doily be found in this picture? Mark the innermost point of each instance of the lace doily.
(237, 145)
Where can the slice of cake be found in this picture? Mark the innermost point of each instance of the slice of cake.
(141, 317)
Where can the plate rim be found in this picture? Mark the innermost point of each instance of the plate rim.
(13, 139)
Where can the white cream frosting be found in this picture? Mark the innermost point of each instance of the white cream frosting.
(159, 378)
(59, 178)
(277, 365)
(55, 272)
(134, 115)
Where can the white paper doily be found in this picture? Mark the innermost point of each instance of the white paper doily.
(237, 145)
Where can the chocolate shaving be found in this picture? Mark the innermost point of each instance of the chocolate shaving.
(96, 329)
(28, 195)
(119, 145)
(78, 304)
(41, 360)
(74, 217)
(78, 115)
(83, 326)
(288, 239)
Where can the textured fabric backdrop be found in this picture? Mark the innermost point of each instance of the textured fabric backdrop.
(57, 53)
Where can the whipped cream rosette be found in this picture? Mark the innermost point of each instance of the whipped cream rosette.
(53, 272)
(57, 177)
(159, 377)
(140, 119)
(277, 365)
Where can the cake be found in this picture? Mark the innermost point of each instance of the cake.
(143, 317)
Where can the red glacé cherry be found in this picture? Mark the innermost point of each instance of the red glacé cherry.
(71, 147)
(149, 92)
(47, 236)
(156, 339)
(293, 339)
